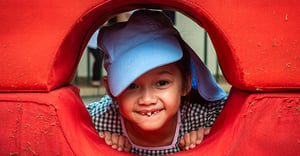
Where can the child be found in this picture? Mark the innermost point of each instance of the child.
(151, 107)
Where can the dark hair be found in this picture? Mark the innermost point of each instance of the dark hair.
(184, 65)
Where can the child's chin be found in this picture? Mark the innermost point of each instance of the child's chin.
(150, 127)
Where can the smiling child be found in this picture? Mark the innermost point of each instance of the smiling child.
(151, 101)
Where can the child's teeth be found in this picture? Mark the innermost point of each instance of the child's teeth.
(150, 113)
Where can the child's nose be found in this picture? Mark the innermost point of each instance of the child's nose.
(147, 97)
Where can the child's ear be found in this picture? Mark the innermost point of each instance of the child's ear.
(188, 86)
(105, 83)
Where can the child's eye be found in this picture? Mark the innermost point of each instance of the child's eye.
(132, 86)
(162, 83)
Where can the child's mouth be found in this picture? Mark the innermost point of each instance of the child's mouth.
(150, 113)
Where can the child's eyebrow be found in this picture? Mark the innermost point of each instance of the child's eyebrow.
(164, 72)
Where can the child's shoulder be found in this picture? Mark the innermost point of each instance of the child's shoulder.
(103, 105)
(194, 97)
(105, 115)
(220, 102)
(200, 105)
(195, 114)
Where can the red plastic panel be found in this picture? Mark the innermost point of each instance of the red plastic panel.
(263, 51)
(31, 124)
(30, 128)
(256, 42)
(55, 123)
(39, 49)
(58, 123)
(257, 124)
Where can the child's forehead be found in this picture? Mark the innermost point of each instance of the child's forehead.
(168, 69)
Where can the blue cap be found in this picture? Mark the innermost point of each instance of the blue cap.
(146, 41)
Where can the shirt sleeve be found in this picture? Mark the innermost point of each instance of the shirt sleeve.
(201, 115)
(214, 110)
(105, 115)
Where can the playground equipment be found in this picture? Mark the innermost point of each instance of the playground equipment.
(257, 44)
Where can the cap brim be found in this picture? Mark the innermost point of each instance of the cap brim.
(139, 60)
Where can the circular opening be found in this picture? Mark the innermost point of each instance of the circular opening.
(90, 81)
(191, 32)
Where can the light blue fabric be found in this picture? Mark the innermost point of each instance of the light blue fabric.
(149, 40)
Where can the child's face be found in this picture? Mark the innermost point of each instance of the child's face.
(151, 102)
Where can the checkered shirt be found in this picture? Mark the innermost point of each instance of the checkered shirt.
(106, 117)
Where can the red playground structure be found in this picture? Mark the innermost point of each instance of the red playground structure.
(257, 44)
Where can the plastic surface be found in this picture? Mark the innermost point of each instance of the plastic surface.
(41, 43)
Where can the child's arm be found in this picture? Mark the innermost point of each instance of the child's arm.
(212, 109)
(190, 140)
(104, 113)
(116, 141)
